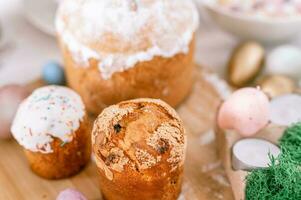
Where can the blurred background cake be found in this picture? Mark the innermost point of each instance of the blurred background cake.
(118, 50)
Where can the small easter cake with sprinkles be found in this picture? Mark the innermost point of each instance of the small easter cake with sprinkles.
(139, 148)
(52, 127)
(116, 50)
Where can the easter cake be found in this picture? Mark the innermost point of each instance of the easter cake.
(52, 127)
(139, 147)
(116, 50)
(203, 178)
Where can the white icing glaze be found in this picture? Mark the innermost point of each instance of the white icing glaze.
(49, 112)
(121, 33)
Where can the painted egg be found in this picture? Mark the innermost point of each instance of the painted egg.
(285, 60)
(10, 98)
(286, 110)
(245, 63)
(70, 194)
(253, 153)
(277, 85)
(53, 74)
(245, 111)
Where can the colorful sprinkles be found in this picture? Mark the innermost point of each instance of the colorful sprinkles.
(50, 112)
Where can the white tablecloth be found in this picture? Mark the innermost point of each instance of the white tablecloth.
(29, 48)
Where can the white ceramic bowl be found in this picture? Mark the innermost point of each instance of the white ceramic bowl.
(41, 13)
(264, 29)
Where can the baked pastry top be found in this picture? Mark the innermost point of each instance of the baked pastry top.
(142, 136)
(120, 33)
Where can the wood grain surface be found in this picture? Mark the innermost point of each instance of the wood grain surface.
(204, 176)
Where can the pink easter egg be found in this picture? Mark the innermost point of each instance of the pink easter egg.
(10, 98)
(70, 194)
(245, 111)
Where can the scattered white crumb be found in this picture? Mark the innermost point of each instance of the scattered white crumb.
(93, 157)
(221, 179)
(219, 84)
(211, 166)
(165, 92)
(207, 137)
(181, 197)
(218, 195)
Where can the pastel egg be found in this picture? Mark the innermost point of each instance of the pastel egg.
(285, 60)
(53, 74)
(245, 111)
(286, 110)
(245, 63)
(253, 153)
(277, 85)
(70, 194)
(10, 98)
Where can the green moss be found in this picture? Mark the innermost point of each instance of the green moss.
(280, 181)
(291, 142)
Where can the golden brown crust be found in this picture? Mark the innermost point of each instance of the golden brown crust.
(169, 79)
(139, 147)
(127, 186)
(67, 158)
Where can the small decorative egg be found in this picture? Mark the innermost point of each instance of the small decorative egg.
(245, 111)
(70, 194)
(286, 110)
(10, 98)
(245, 63)
(53, 74)
(276, 85)
(285, 60)
(253, 153)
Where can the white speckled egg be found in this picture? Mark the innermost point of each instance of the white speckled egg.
(10, 98)
(245, 111)
(286, 110)
(285, 60)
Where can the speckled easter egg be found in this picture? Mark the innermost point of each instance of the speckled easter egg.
(70, 194)
(10, 98)
(277, 85)
(245, 63)
(53, 74)
(245, 111)
(286, 110)
(285, 60)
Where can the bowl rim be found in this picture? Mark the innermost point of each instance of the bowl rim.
(268, 20)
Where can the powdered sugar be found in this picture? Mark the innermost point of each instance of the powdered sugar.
(121, 33)
(207, 137)
(219, 84)
(49, 112)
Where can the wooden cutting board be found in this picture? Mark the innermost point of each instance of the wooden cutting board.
(204, 176)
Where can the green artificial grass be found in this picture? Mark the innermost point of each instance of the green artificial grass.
(291, 142)
(280, 181)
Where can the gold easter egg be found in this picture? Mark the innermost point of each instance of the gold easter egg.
(277, 85)
(245, 63)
